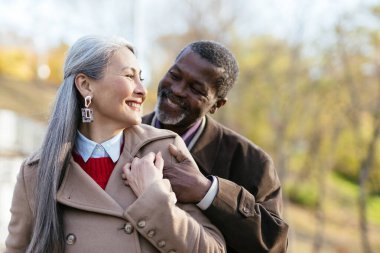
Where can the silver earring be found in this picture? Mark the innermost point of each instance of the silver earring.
(87, 113)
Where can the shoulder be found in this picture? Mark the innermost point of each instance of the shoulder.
(149, 132)
(30, 164)
(252, 166)
(143, 137)
(232, 140)
(27, 177)
(33, 159)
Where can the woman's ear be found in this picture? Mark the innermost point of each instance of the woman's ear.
(83, 85)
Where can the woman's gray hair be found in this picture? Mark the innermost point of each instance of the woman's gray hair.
(90, 55)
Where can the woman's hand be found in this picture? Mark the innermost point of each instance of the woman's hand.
(143, 172)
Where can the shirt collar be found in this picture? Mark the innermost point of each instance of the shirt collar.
(88, 148)
(191, 136)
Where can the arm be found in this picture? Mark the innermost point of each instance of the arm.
(246, 221)
(156, 216)
(21, 224)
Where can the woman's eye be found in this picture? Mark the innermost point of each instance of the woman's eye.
(133, 76)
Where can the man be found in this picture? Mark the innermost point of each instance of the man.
(238, 188)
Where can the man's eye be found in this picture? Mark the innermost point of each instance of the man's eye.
(197, 91)
(174, 76)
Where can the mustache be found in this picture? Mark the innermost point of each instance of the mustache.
(166, 93)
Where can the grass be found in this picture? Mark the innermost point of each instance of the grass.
(345, 187)
(349, 192)
(374, 209)
(341, 227)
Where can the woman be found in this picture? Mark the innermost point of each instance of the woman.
(70, 196)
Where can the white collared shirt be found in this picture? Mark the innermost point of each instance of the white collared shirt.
(88, 148)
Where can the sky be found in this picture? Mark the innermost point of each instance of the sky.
(49, 22)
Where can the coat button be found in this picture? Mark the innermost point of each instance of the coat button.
(246, 210)
(161, 244)
(141, 224)
(70, 239)
(151, 233)
(128, 228)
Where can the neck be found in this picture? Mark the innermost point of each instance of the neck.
(98, 134)
(179, 129)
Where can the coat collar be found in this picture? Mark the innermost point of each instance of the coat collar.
(203, 151)
(206, 149)
(78, 190)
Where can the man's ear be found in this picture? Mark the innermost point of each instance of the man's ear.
(219, 103)
(83, 85)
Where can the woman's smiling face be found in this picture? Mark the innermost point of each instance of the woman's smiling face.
(119, 94)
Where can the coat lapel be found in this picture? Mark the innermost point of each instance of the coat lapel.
(116, 188)
(135, 138)
(204, 152)
(79, 190)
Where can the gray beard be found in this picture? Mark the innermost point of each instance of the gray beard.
(167, 119)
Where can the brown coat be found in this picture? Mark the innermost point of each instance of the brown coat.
(113, 220)
(247, 208)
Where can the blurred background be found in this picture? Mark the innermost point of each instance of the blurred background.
(308, 93)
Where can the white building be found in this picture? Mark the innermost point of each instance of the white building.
(19, 136)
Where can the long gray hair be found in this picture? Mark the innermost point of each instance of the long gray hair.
(90, 55)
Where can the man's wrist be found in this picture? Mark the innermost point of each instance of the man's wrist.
(210, 195)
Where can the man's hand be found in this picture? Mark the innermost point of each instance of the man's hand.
(188, 183)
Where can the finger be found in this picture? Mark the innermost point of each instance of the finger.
(148, 158)
(159, 162)
(126, 181)
(126, 170)
(178, 155)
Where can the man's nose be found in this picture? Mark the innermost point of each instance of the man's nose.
(179, 89)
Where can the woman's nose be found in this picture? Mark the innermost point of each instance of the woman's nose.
(140, 88)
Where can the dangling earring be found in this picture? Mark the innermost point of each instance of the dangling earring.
(87, 114)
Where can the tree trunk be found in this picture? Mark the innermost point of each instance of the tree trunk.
(365, 167)
(320, 214)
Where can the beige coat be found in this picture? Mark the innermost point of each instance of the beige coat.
(113, 220)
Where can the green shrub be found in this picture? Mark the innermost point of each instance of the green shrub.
(304, 194)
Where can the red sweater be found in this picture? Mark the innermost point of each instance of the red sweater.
(99, 169)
